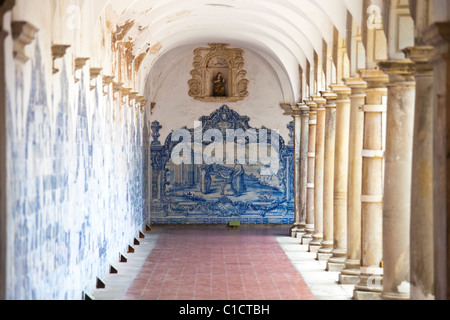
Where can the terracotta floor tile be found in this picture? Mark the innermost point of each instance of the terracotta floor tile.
(218, 264)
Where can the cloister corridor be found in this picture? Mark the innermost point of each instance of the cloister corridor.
(221, 150)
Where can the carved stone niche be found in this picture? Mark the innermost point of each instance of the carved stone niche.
(208, 64)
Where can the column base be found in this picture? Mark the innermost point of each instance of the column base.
(323, 256)
(395, 296)
(334, 267)
(297, 230)
(370, 286)
(348, 279)
(297, 234)
(314, 247)
(337, 262)
(326, 251)
(306, 240)
(316, 243)
(300, 235)
(309, 229)
(366, 295)
(351, 273)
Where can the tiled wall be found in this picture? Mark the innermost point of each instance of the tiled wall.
(203, 194)
(76, 181)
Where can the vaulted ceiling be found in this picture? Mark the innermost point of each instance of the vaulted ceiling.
(285, 32)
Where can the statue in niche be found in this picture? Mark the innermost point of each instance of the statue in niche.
(219, 86)
(218, 74)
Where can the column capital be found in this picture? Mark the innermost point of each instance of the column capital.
(108, 79)
(398, 70)
(331, 97)
(303, 108)
(296, 111)
(311, 105)
(438, 36)
(355, 83)
(300, 109)
(23, 34)
(320, 101)
(342, 91)
(287, 107)
(95, 72)
(374, 78)
(421, 56)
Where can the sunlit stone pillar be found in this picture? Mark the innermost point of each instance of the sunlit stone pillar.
(350, 274)
(438, 35)
(398, 172)
(324, 252)
(304, 144)
(4, 274)
(421, 231)
(309, 228)
(299, 225)
(337, 262)
(317, 238)
(370, 285)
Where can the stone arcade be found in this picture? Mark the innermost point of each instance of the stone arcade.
(92, 91)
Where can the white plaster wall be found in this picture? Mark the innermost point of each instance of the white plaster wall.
(167, 86)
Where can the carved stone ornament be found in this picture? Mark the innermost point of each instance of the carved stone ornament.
(94, 74)
(23, 34)
(218, 74)
(78, 65)
(58, 52)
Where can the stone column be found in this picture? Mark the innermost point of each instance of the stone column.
(398, 172)
(317, 238)
(438, 35)
(370, 285)
(299, 222)
(325, 250)
(4, 8)
(421, 231)
(337, 262)
(304, 145)
(350, 274)
(309, 228)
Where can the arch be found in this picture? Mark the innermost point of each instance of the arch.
(294, 30)
(399, 28)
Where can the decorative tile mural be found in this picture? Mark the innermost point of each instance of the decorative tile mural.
(207, 192)
(77, 181)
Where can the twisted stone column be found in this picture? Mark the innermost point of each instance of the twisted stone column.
(317, 238)
(370, 285)
(324, 252)
(309, 228)
(350, 273)
(398, 171)
(337, 262)
(421, 230)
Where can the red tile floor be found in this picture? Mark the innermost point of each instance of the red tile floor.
(198, 263)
